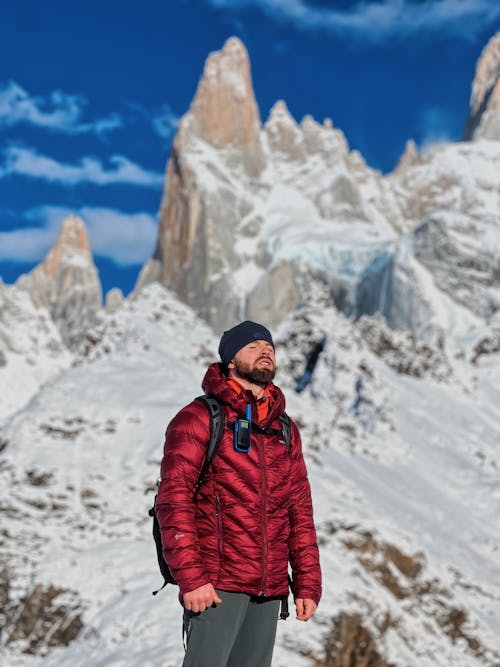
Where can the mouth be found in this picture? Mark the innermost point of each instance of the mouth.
(267, 362)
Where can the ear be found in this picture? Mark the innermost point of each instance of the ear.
(231, 364)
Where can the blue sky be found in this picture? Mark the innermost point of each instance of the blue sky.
(91, 92)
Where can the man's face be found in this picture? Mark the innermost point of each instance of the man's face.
(256, 362)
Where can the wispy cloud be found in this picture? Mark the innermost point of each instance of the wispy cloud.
(375, 19)
(23, 161)
(27, 244)
(434, 127)
(127, 239)
(59, 111)
(165, 123)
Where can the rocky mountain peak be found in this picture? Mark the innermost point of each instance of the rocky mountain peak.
(224, 111)
(484, 113)
(410, 155)
(283, 133)
(279, 114)
(71, 247)
(67, 282)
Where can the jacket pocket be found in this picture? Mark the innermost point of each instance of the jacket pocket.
(220, 536)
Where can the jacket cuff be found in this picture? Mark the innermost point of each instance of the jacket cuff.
(305, 594)
(192, 583)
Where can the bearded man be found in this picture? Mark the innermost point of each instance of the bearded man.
(229, 544)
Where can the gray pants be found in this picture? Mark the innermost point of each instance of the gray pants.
(239, 632)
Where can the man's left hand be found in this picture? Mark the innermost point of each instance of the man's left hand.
(305, 608)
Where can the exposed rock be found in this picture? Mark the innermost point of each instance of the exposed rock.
(195, 253)
(39, 478)
(283, 133)
(403, 575)
(114, 299)
(278, 291)
(403, 352)
(224, 112)
(470, 278)
(70, 428)
(488, 343)
(452, 621)
(6, 606)
(410, 155)
(45, 621)
(195, 248)
(484, 114)
(67, 282)
(394, 569)
(350, 644)
(316, 135)
(209, 224)
(180, 223)
(228, 228)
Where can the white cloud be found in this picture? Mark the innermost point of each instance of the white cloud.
(165, 123)
(381, 18)
(27, 162)
(28, 244)
(59, 111)
(127, 239)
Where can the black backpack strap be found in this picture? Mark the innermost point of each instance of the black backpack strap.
(164, 569)
(216, 412)
(284, 613)
(287, 430)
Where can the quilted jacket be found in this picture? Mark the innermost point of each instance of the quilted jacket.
(252, 515)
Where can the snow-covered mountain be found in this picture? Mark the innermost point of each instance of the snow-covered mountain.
(484, 118)
(383, 292)
(401, 440)
(66, 283)
(252, 213)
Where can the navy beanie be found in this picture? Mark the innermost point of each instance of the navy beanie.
(234, 339)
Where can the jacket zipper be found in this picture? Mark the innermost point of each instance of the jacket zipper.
(219, 523)
(263, 516)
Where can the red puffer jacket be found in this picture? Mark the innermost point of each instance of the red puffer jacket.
(253, 512)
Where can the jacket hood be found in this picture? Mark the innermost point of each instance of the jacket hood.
(215, 383)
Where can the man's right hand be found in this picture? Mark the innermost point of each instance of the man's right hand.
(201, 598)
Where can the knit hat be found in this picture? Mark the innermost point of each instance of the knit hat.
(234, 339)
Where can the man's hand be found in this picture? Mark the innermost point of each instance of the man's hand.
(201, 598)
(305, 608)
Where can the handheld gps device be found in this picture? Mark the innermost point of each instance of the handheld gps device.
(243, 432)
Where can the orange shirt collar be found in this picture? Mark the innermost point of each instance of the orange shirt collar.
(263, 402)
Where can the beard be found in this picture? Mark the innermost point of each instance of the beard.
(260, 376)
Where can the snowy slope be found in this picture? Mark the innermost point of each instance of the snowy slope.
(31, 349)
(405, 489)
(78, 477)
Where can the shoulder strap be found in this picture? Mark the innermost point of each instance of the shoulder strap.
(216, 412)
(287, 430)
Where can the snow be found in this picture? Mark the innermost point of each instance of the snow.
(31, 349)
(77, 261)
(413, 470)
(418, 469)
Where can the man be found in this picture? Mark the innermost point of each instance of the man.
(229, 545)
